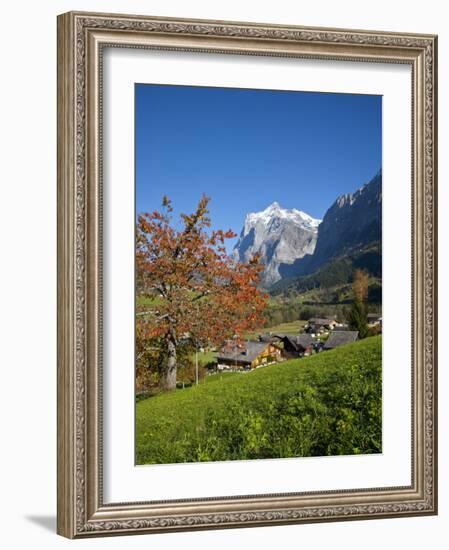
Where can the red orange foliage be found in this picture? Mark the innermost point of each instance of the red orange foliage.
(200, 294)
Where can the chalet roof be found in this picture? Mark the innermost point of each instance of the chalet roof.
(374, 316)
(320, 321)
(304, 340)
(246, 353)
(270, 338)
(300, 342)
(339, 338)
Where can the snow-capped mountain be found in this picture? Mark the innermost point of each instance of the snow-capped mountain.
(279, 235)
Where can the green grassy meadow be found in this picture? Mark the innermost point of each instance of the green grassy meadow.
(292, 328)
(323, 405)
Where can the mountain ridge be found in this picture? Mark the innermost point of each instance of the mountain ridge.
(353, 221)
(293, 244)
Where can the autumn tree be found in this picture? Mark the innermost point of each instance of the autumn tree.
(357, 315)
(360, 285)
(189, 289)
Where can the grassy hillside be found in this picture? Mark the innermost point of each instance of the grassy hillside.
(327, 404)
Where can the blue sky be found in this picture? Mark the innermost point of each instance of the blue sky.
(248, 148)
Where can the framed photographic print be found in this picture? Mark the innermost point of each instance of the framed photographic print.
(247, 274)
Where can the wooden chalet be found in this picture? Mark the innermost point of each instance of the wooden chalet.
(298, 346)
(247, 355)
(374, 319)
(317, 325)
(339, 338)
(342, 326)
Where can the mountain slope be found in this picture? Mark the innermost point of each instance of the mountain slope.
(279, 235)
(353, 222)
(331, 282)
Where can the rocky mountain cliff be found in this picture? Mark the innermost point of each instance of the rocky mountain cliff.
(292, 244)
(353, 222)
(280, 236)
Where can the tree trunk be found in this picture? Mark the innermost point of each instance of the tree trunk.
(168, 375)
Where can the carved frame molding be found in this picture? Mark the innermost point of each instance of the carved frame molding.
(81, 39)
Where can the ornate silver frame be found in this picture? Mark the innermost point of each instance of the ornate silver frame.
(81, 38)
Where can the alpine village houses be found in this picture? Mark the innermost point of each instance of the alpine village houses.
(247, 355)
(320, 334)
(273, 348)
